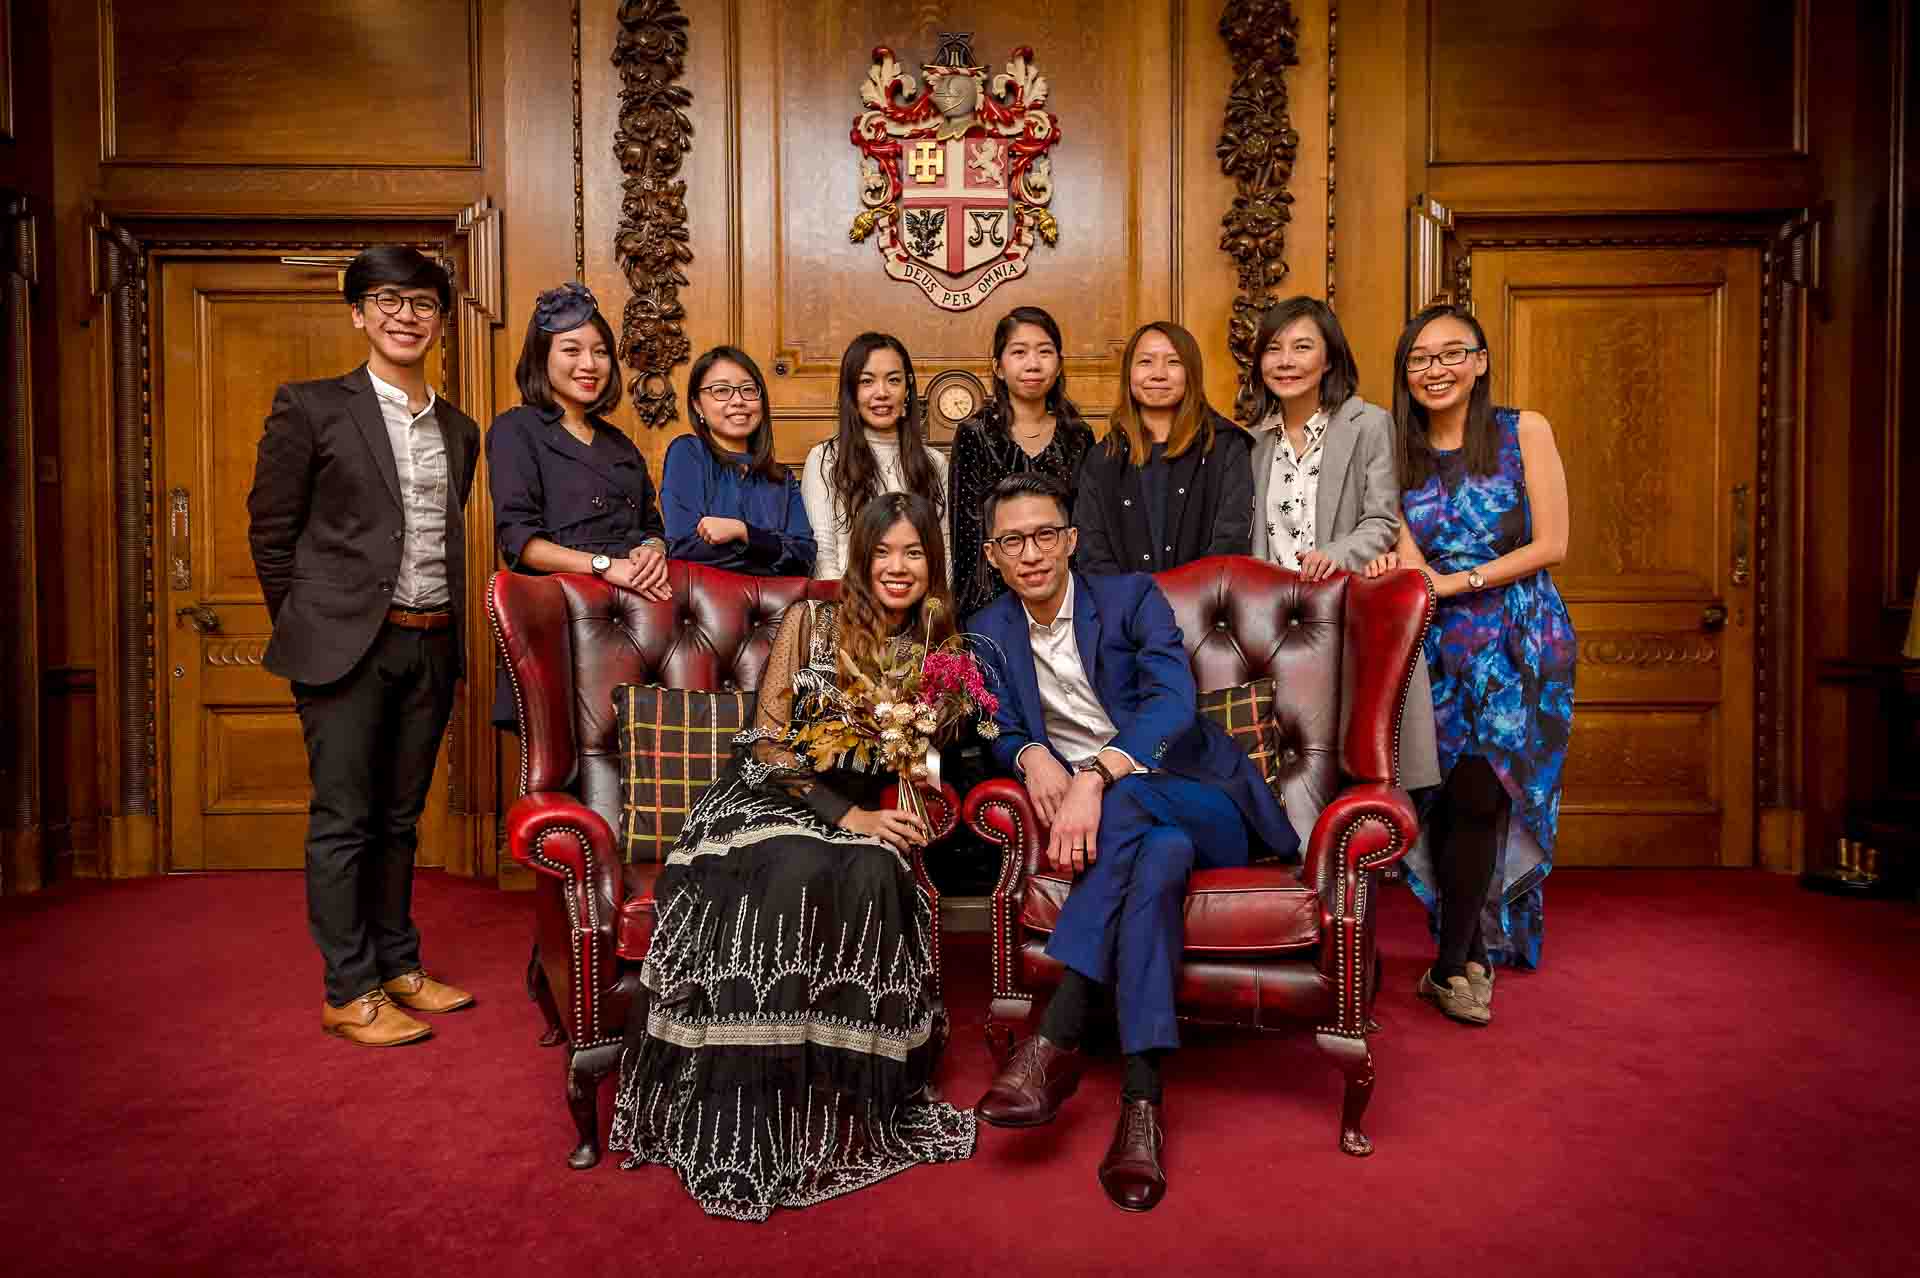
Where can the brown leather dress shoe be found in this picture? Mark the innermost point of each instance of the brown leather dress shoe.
(1032, 1085)
(372, 1021)
(1480, 981)
(424, 994)
(1130, 1173)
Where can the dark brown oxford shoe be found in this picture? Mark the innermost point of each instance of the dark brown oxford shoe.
(1032, 1085)
(1130, 1173)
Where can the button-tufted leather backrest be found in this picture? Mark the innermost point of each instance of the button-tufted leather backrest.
(1243, 619)
(570, 639)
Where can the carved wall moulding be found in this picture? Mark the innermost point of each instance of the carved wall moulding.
(1647, 650)
(651, 243)
(1257, 147)
(955, 175)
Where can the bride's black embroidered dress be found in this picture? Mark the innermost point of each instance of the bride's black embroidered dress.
(791, 1026)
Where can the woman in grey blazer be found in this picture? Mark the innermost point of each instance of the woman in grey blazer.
(1325, 497)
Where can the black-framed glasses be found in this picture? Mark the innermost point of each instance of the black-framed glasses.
(1452, 357)
(1013, 545)
(391, 303)
(721, 392)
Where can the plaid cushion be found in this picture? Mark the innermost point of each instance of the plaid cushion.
(673, 743)
(1245, 712)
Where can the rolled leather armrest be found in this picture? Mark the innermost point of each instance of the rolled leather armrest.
(555, 834)
(1000, 811)
(1368, 826)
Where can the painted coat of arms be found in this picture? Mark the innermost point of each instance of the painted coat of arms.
(955, 176)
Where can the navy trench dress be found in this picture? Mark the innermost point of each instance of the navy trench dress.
(597, 498)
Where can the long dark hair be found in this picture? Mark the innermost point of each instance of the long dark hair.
(1342, 377)
(759, 444)
(530, 374)
(854, 476)
(1482, 444)
(1192, 420)
(863, 629)
(1062, 408)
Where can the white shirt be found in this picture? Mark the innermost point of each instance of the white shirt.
(1293, 491)
(420, 455)
(830, 523)
(1077, 724)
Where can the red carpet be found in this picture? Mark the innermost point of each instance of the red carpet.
(1714, 1075)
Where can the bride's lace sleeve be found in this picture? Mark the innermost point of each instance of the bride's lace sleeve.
(772, 765)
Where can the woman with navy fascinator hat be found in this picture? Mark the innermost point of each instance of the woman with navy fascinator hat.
(571, 493)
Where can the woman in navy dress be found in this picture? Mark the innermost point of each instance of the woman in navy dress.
(727, 502)
(1030, 425)
(571, 493)
(1485, 499)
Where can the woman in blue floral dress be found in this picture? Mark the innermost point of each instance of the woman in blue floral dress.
(1485, 499)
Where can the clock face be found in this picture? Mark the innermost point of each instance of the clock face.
(956, 401)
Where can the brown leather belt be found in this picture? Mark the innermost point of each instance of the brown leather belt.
(420, 620)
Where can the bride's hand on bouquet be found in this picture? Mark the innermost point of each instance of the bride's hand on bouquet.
(896, 827)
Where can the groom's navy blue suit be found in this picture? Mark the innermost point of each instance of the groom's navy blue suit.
(1200, 803)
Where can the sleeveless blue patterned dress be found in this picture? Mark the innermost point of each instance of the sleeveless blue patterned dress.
(1502, 664)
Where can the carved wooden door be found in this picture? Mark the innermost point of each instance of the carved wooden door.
(234, 764)
(1647, 362)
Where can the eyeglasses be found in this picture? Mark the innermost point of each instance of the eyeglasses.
(1013, 545)
(1452, 357)
(390, 304)
(721, 392)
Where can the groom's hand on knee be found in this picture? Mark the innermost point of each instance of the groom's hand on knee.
(1072, 845)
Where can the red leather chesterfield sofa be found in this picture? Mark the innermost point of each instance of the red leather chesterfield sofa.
(1270, 945)
(568, 640)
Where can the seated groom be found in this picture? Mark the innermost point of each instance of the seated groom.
(1097, 715)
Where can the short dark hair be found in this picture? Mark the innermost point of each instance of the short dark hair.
(1342, 378)
(1026, 483)
(398, 266)
(530, 374)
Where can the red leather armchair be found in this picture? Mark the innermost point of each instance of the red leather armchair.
(1269, 945)
(568, 640)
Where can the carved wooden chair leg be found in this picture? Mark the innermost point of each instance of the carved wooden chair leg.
(585, 1069)
(542, 995)
(1355, 1062)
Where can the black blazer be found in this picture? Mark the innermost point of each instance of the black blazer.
(1209, 506)
(326, 524)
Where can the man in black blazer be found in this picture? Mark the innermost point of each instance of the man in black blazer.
(357, 536)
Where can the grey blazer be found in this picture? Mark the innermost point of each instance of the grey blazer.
(1356, 519)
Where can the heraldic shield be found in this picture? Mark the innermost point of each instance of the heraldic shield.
(955, 178)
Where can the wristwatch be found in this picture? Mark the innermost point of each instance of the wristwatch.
(1107, 778)
(1475, 580)
(600, 565)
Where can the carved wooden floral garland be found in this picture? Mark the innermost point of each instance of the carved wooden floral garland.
(652, 137)
(1256, 149)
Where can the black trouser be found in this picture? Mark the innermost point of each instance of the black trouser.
(1465, 831)
(372, 738)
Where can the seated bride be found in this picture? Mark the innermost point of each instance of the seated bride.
(793, 1025)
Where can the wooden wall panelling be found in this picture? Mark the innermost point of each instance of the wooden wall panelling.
(1902, 495)
(1630, 80)
(1841, 613)
(21, 849)
(1376, 175)
(1140, 95)
(444, 155)
(302, 83)
(6, 70)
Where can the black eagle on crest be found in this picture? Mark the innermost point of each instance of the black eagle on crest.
(923, 231)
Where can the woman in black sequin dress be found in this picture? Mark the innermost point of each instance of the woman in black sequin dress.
(1030, 425)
